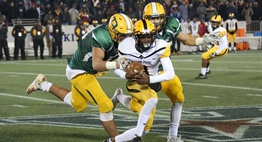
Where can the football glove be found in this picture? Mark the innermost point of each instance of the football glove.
(208, 38)
(123, 61)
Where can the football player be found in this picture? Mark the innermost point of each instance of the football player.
(95, 53)
(169, 28)
(151, 52)
(216, 48)
(231, 26)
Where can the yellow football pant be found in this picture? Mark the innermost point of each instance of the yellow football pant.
(140, 94)
(86, 88)
(206, 55)
(232, 38)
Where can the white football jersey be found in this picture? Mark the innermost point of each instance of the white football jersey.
(222, 34)
(186, 28)
(195, 27)
(231, 24)
(149, 58)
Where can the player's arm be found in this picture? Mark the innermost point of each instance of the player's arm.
(190, 41)
(227, 27)
(236, 26)
(166, 62)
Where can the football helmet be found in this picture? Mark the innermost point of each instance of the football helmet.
(120, 26)
(86, 24)
(145, 34)
(155, 12)
(104, 21)
(231, 15)
(94, 23)
(216, 21)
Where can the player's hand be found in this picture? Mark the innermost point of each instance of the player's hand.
(212, 55)
(142, 78)
(123, 61)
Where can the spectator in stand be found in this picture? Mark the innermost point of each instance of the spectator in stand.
(66, 20)
(166, 6)
(240, 8)
(48, 8)
(201, 11)
(257, 12)
(212, 2)
(73, 14)
(130, 3)
(48, 16)
(20, 10)
(247, 13)
(11, 13)
(4, 5)
(32, 12)
(139, 11)
(130, 13)
(5, 20)
(183, 10)
(84, 15)
(222, 9)
(58, 13)
(120, 9)
(211, 11)
(3, 41)
(99, 16)
(191, 11)
(122, 5)
(110, 12)
(104, 10)
(230, 9)
(27, 4)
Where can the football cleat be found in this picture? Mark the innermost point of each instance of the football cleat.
(201, 76)
(174, 139)
(209, 72)
(107, 140)
(35, 85)
(114, 98)
(137, 139)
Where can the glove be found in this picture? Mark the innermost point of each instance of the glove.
(208, 38)
(212, 55)
(123, 61)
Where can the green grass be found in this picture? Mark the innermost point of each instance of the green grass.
(235, 80)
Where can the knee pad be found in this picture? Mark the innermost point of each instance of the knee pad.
(106, 116)
(105, 106)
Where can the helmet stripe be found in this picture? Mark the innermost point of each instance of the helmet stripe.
(145, 25)
(129, 26)
(154, 9)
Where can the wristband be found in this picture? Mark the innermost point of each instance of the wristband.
(110, 65)
(199, 41)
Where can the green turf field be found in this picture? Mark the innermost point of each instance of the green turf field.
(224, 107)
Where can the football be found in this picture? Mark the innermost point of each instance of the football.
(135, 67)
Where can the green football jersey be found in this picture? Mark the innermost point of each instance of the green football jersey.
(99, 37)
(171, 28)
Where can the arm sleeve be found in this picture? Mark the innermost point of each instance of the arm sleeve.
(120, 73)
(227, 27)
(168, 74)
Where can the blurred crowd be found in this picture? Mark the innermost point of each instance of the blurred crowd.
(71, 11)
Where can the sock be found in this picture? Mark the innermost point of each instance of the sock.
(208, 68)
(126, 136)
(235, 48)
(175, 115)
(124, 100)
(145, 115)
(203, 71)
(45, 86)
(67, 98)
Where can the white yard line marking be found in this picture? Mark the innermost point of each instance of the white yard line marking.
(22, 106)
(256, 95)
(103, 77)
(213, 97)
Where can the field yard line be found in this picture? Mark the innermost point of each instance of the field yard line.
(187, 83)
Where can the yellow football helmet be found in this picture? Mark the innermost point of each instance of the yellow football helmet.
(86, 24)
(216, 21)
(104, 21)
(134, 20)
(120, 26)
(143, 30)
(94, 22)
(231, 15)
(155, 10)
